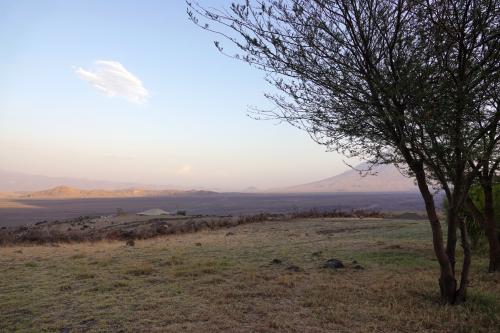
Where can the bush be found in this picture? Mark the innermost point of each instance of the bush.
(476, 232)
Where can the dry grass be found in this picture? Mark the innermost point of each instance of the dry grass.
(169, 284)
(132, 226)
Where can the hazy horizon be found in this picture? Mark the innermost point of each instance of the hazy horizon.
(131, 93)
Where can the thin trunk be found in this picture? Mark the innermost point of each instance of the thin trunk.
(451, 243)
(447, 281)
(490, 229)
(464, 278)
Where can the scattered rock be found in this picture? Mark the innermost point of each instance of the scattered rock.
(64, 330)
(65, 287)
(293, 268)
(198, 244)
(316, 254)
(276, 261)
(326, 232)
(88, 322)
(130, 242)
(394, 247)
(333, 263)
(359, 267)
(354, 262)
(230, 234)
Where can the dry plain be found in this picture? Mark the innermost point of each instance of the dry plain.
(226, 280)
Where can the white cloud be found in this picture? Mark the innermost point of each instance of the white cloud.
(113, 79)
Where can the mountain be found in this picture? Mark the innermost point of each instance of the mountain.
(18, 182)
(63, 192)
(66, 192)
(387, 178)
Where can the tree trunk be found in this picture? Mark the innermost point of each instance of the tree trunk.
(487, 221)
(447, 281)
(461, 295)
(451, 243)
(490, 230)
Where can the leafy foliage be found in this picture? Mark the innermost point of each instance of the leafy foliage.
(476, 232)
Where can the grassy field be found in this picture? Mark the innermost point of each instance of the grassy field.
(225, 280)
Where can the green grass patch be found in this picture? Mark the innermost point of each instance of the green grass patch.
(488, 304)
(392, 258)
(140, 270)
(31, 264)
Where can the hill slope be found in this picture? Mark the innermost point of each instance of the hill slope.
(16, 181)
(387, 179)
(66, 192)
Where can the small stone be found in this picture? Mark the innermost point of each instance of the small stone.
(354, 262)
(316, 254)
(276, 261)
(293, 268)
(198, 244)
(230, 234)
(88, 322)
(130, 242)
(359, 267)
(333, 263)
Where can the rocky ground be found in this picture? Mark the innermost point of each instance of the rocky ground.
(117, 226)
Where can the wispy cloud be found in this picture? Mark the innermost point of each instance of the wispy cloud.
(113, 79)
(184, 170)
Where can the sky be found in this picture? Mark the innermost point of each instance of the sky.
(133, 91)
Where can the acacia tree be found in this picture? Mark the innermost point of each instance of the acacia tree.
(464, 45)
(366, 79)
(485, 216)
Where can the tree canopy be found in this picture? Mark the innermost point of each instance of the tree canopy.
(413, 83)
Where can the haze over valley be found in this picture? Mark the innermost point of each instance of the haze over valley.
(385, 189)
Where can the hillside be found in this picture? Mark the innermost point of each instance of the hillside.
(64, 192)
(11, 181)
(386, 179)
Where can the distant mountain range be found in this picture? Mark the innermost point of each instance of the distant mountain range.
(20, 182)
(70, 192)
(386, 178)
(18, 185)
(66, 192)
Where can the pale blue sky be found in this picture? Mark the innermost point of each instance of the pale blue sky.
(191, 130)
